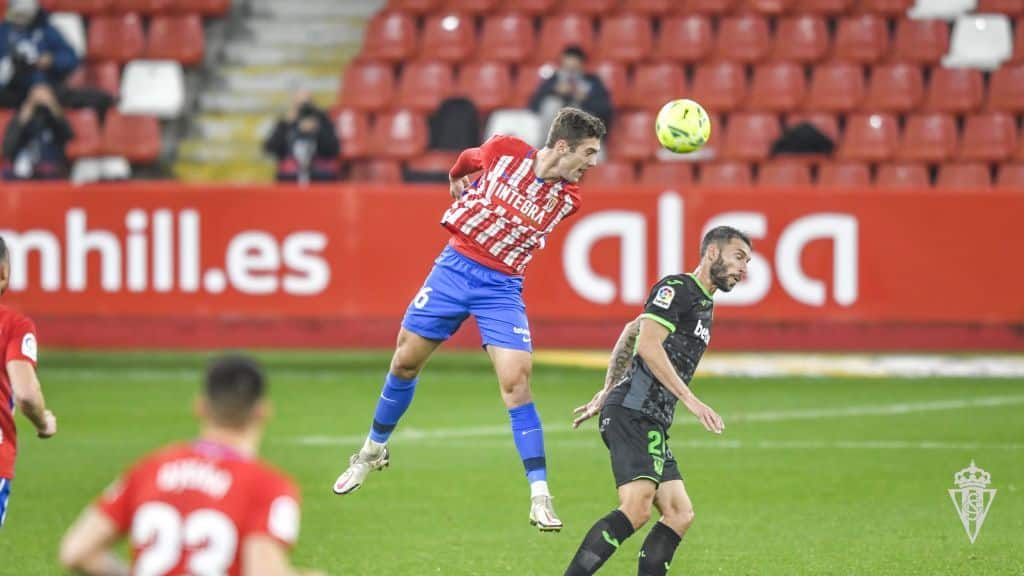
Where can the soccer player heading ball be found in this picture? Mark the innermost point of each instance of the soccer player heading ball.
(496, 224)
(637, 405)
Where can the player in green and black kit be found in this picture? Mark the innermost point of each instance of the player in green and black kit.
(651, 366)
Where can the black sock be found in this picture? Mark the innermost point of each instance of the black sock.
(600, 543)
(657, 551)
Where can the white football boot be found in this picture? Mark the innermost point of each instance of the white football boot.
(542, 514)
(371, 457)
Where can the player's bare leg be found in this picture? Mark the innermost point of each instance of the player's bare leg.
(513, 368)
(411, 355)
(676, 510)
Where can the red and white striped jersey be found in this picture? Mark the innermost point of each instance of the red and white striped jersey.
(508, 212)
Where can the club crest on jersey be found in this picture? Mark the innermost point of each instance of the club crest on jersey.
(552, 203)
(29, 347)
(664, 297)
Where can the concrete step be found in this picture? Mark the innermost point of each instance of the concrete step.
(260, 54)
(290, 8)
(263, 79)
(330, 32)
(226, 172)
(198, 150)
(230, 128)
(265, 103)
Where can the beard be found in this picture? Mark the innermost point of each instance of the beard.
(719, 275)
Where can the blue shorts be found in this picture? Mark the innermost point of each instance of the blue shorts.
(458, 287)
(5, 494)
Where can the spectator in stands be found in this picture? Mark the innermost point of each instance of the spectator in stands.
(304, 143)
(34, 142)
(572, 86)
(32, 52)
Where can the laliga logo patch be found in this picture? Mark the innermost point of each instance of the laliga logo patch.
(28, 347)
(664, 297)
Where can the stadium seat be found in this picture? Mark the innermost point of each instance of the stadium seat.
(507, 37)
(980, 41)
(72, 29)
(767, 7)
(929, 137)
(743, 39)
(104, 76)
(625, 38)
(777, 87)
(424, 84)
(86, 127)
(1011, 7)
(956, 90)
(178, 38)
(749, 136)
(1019, 153)
(615, 78)
(648, 7)
(897, 87)
(656, 84)
(532, 7)
(920, 41)
(801, 39)
(83, 7)
(784, 174)
(353, 129)
(1006, 89)
(528, 78)
(836, 87)
(1011, 176)
(826, 122)
(448, 36)
(720, 86)
(611, 174)
(435, 163)
(726, 175)
(902, 175)
(716, 7)
(144, 7)
(205, 8)
(989, 137)
(862, 39)
(559, 31)
(967, 175)
(591, 7)
(400, 134)
(869, 137)
(390, 36)
(153, 88)
(5, 117)
(376, 170)
(844, 175)
(823, 7)
(685, 38)
(487, 84)
(418, 7)
(472, 6)
(118, 38)
(677, 175)
(522, 124)
(890, 8)
(368, 86)
(1018, 40)
(940, 9)
(135, 138)
(632, 136)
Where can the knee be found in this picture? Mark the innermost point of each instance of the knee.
(515, 382)
(679, 519)
(404, 364)
(637, 513)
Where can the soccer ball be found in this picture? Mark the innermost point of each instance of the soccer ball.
(682, 126)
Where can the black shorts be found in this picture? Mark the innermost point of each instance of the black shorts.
(638, 446)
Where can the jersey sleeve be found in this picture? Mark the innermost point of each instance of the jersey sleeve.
(115, 502)
(22, 344)
(668, 302)
(276, 512)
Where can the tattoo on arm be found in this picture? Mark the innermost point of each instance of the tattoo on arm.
(622, 354)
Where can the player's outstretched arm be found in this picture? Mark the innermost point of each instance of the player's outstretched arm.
(265, 556)
(618, 363)
(87, 547)
(650, 348)
(28, 396)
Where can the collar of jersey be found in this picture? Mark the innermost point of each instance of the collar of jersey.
(702, 288)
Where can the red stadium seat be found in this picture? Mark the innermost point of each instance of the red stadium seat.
(86, 127)
(418, 7)
(424, 84)
(632, 137)
(869, 137)
(743, 39)
(824, 7)
(84, 7)
(508, 37)
(827, 123)
(929, 138)
(1006, 89)
(1019, 153)
(862, 39)
(801, 39)
(611, 174)
(1009, 7)
(716, 7)
(903, 175)
(105, 76)
(377, 170)
(368, 86)
(784, 174)
(989, 137)
(969, 175)
(1011, 176)
(5, 117)
(895, 88)
(615, 79)
(487, 84)
(844, 175)
(625, 38)
(528, 78)
(726, 175)
(592, 7)
(559, 31)
(532, 7)
(353, 129)
(145, 7)
(685, 38)
(749, 136)
(656, 84)
(390, 36)
(956, 90)
(436, 161)
(472, 6)
(921, 41)
(448, 36)
(836, 87)
(777, 87)
(648, 7)
(400, 134)
(1018, 40)
(720, 86)
(669, 174)
(176, 38)
(767, 7)
(136, 138)
(890, 8)
(205, 8)
(118, 38)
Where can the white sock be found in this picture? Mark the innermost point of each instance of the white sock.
(371, 447)
(539, 488)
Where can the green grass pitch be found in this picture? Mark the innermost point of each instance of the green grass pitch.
(812, 476)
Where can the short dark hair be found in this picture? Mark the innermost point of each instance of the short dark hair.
(722, 235)
(576, 51)
(234, 384)
(574, 125)
(3, 250)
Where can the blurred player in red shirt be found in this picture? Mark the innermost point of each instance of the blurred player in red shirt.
(205, 507)
(19, 386)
